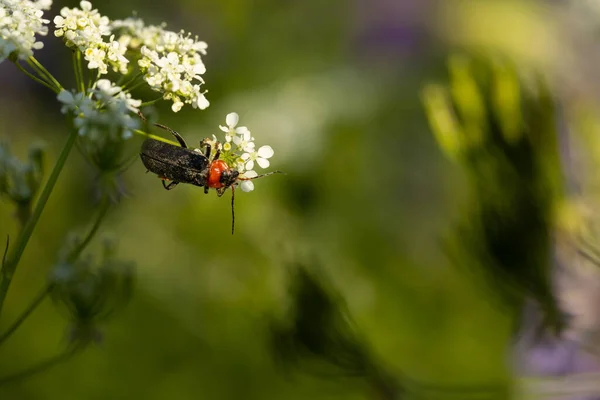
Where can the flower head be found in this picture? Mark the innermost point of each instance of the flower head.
(238, 151)
(232, 129)
(20, 22)
(261, 157)
(170, 61)
(85, 29)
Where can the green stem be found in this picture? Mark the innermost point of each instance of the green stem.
(149, 103)
(35, 78)
(101, 214)
(34, 304)
(43, 71)
(44, 365)
(137, 85)
(129, 82)
(92, 82)
(9, 268)
(76, 70)
(80, 69)
(155, 137)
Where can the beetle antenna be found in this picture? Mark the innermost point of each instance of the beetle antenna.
(179, 138)
(232, 208)
(261, 176)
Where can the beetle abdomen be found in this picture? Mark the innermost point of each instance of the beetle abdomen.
(174, 163)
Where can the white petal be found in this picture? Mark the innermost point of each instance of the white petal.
(245, 156)
(237, 140)
(247, 186)
(249, 165)
(241, 130)
(224, 128)
(232, 119)
(65, 97)
(265, 152)
(250, 174)
(263, 162)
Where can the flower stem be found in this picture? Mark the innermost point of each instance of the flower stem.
(34, 304)
(155, 137)
(92, 82)
(42, 366)
(149, 103)
(101, 214)
(8, 269)
(35, 78)
(129, 82)
(44, 72)
(76, 71)
(80, 71)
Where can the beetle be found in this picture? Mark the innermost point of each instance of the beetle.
(182, 164)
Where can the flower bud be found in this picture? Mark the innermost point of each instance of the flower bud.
(90, 292)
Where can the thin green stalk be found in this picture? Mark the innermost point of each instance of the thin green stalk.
(101, 214)
(149, 103)
(92, 82)
(43, 71)
(137, 85)
(129, 82)
(35, 78)
(155, 137)
(76, 70)
(9, 268)
(34, 304)
(80, 69)
(41, 367)
(74, 255)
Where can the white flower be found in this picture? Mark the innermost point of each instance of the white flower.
(245, 141)
(84, 29)
(171, 62)
(232, 129)
(103, 115)
(20, 22)
(260, 156)
(78, 102)
(248, 186)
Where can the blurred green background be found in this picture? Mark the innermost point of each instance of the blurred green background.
(333, 87)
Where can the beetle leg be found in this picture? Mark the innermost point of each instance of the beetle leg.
(171, 131)
(218, 152)
(208, 150)
(170, 186)
(205, 189)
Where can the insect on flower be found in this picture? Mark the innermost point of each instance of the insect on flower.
(198, 167)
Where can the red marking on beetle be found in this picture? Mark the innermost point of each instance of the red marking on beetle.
(214, 174)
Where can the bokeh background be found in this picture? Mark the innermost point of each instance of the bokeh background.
(334, 88)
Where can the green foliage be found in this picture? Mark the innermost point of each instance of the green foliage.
(507, 146)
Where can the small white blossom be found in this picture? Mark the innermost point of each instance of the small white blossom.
(171, 62)
(20, 22)
(245, 141)
(85, 29)
(232, 129)
(103, 115)
(248, 186)
(261, 157)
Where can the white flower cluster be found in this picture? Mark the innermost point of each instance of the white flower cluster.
(85, 30)
(244, 155)
(20, 21)
(105, 115)
(171, 62)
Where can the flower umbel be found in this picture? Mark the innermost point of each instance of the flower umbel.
(85, 29)
(20, 22)
(89, 292)
(243, 155)
(171, 62)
